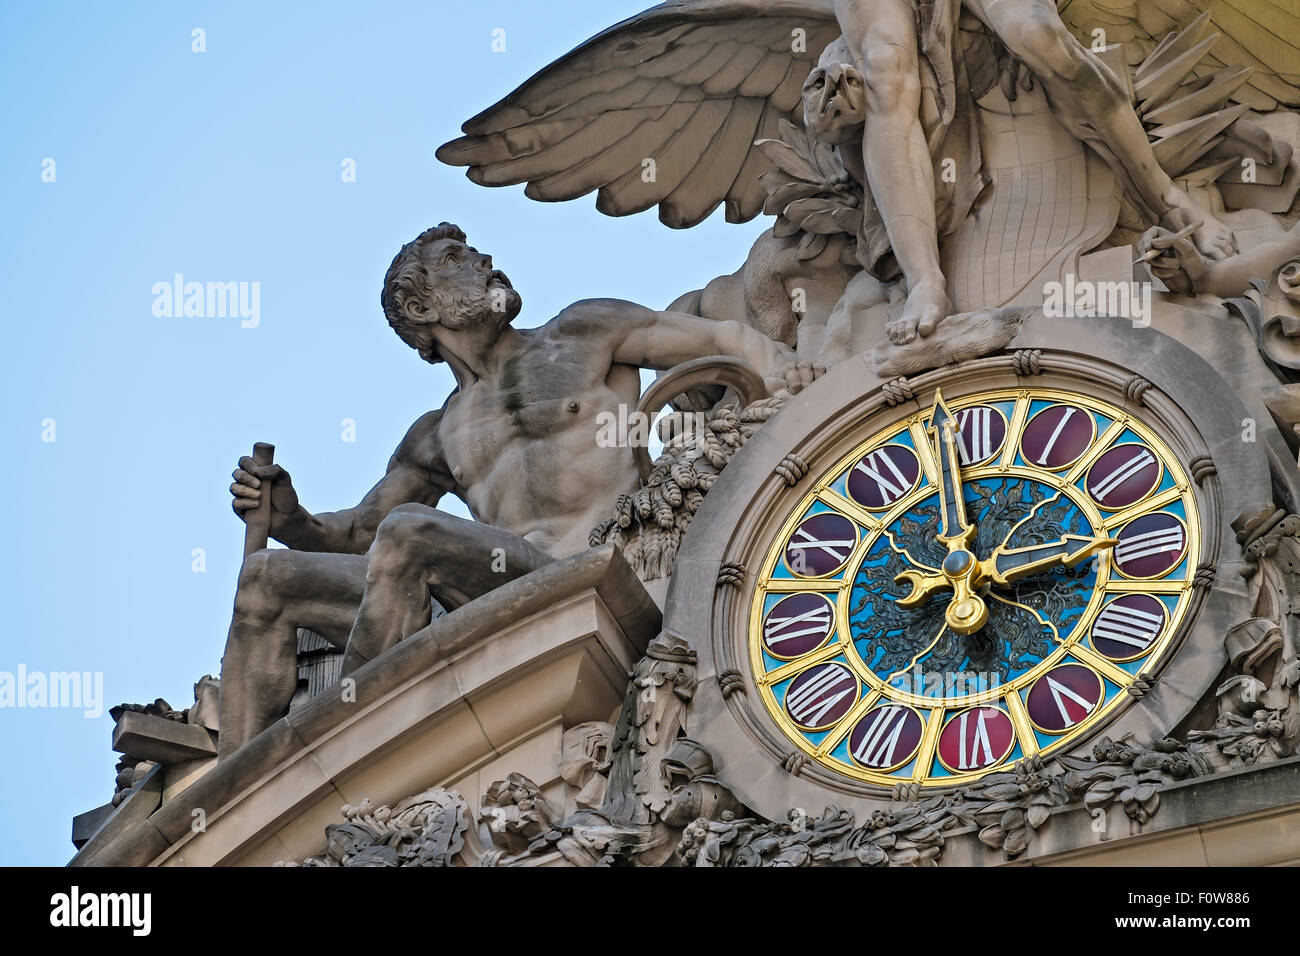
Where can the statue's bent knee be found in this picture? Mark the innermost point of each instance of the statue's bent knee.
(889, 71)
(1046, 47)
(261, 579)
(402, 537)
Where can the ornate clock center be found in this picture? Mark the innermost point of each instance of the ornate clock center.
(958, 563)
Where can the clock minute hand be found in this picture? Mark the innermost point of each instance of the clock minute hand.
(957, 531)
(967, 611)
(1006, 565)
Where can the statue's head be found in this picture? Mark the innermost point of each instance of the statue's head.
(835, 97)
(437, 280)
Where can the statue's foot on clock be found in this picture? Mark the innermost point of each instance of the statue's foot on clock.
(927, 305)
(955, 338)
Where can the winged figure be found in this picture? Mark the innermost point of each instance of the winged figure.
(666, 108)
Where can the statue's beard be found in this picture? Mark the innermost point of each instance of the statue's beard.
(494, 306)
(468, 307)
(465, 307)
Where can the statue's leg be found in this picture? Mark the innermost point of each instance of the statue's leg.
(900, 172)
(279, 592)
(1095, 107)
(418, 552)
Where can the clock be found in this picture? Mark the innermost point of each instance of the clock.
(976, 583)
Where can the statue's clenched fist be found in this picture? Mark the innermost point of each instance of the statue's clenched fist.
(251, 479)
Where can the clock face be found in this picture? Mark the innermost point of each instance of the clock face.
(973, 585)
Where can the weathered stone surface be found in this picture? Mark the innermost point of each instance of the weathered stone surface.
(161, 740)
(956, 338)
(127, 830)
(86, 825)
(426, 697)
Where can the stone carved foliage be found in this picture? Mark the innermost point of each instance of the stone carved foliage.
(584, 761)
(1005, 808)
(427, 829)
(809, 191)
(1133, 775)
(648, 524)
(1271, 307)
(663, 683)
(1258, 706)
(658, 781)
(663, 804)
(516, 813)
(639, 783)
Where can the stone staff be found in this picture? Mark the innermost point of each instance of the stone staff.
(257, 525)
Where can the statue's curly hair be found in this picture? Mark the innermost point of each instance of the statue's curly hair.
(406, 285)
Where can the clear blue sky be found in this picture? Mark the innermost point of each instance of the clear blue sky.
(225, 166)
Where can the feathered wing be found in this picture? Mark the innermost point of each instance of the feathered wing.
(1262, 34)
(689, 84)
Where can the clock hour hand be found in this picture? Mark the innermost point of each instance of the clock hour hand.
(967, 611)
(1006, 565)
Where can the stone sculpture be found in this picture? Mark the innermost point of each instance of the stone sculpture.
(687, 95)
(516, 441)
(867, 209)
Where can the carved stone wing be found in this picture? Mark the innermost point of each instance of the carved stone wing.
(1262, 34)
(661, 109)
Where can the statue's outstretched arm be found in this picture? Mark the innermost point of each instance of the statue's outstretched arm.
(1176, 260)
(647, 338)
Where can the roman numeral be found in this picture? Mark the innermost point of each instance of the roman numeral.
(975, 750)
(1059, 693)
(1128, 469)
(975, 433)
(816, 696)
(1160, 541)
(1128, 625)
(778, 630)
(830, 547)
(1056, 433)
(877, 747)
(871, 467)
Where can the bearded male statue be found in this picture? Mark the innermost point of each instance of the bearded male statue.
(516, 441)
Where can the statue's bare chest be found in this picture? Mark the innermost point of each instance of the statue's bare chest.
(489, 424)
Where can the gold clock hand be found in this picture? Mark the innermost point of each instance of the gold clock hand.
(966, 612)
(957, 532)
(961, 574)
(923, 585)
(1006, 565)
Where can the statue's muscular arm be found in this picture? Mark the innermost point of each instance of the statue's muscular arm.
(635, 335)
(417, 472)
